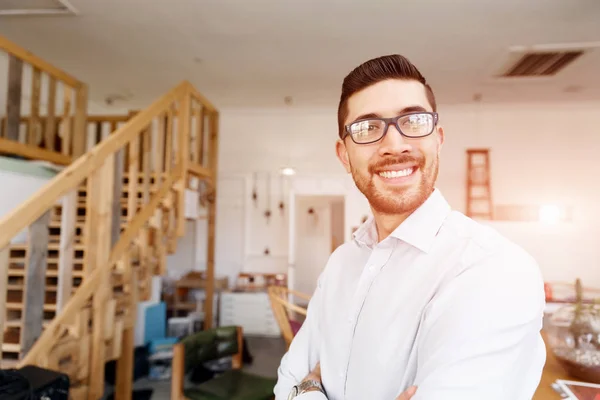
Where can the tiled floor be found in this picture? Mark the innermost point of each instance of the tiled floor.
(266, 353)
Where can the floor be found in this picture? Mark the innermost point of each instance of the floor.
(266, 353)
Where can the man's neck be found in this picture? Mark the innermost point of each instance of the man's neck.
(387, 223)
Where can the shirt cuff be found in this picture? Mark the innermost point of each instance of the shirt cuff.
(315, 395)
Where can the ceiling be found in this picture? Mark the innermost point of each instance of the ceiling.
(254, 53)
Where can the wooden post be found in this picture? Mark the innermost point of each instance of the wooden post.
(212, 215)
(102, 179)
(13, 105)
(4, 253)
(183, 124)
(80, 121)
(67, 241)
(35, 283)
(124, 382)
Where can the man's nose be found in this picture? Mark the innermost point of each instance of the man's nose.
(393, 142)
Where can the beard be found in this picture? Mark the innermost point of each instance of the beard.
(397, 200)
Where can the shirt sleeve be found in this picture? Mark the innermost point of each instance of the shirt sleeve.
(303, 353)
(481, 334)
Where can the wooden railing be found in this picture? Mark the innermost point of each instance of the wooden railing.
(132, 187)
(97, 128)
(55, 102)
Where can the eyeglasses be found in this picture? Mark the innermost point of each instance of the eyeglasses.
(411, 125)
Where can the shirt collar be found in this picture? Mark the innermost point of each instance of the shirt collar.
(418, 230)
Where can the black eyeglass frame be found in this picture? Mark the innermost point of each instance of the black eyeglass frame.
(391, 121)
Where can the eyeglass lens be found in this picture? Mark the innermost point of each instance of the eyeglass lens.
(412, 125)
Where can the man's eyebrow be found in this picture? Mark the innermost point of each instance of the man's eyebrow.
(403, 111)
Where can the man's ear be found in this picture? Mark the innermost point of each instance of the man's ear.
(342, 154)
(440, 130)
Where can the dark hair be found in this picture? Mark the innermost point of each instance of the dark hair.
(376, 70)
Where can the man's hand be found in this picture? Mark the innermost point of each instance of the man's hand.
(407, 394)
(315, 374)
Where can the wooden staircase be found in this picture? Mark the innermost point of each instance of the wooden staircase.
(100, 229)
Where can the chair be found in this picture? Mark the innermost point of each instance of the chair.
(211, 345)
(286, 312)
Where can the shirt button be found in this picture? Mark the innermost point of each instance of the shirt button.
(371, 268)
(350, 320)
(341, 374)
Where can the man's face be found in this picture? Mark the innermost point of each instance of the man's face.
(396, 174)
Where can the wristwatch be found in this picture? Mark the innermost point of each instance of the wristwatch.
(304, 387)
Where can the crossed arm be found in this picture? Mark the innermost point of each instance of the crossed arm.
(481, 339)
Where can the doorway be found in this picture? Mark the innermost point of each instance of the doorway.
(318, 229)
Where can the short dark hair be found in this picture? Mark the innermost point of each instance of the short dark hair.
(376, 70)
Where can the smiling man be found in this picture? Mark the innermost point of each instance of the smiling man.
(422, 296)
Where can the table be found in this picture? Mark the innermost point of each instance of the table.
(552, 371)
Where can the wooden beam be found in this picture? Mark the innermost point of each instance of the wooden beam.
(35, 283)
(66, 131)
(66, 252)
(32, 152)
(201, 99)
(200, 172)
(30, 58)
(13, 105)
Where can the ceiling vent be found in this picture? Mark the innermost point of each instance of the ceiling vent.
(541, 63)
(36, 7)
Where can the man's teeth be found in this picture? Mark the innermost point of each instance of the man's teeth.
(396, 174)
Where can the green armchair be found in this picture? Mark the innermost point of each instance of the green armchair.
(233, 384)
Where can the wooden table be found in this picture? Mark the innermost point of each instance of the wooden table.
(552, 371)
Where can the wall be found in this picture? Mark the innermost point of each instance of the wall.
(541, 153)
(20, 180)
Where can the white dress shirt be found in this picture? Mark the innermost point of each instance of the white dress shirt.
(443, 303)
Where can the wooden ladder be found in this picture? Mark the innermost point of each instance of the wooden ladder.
(479, 190)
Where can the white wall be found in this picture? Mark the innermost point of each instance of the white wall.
(540, 154)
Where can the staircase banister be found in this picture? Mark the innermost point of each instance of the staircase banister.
(69, 178)
(37, 62)
(89, 286)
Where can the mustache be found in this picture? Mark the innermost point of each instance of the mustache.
(394, 160)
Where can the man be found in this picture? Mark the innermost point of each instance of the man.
(422, 296)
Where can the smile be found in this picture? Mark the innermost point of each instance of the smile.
(397, 174)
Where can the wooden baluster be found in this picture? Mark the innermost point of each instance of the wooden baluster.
(66, 132)
(200, 134)
(169, 143)
(159, 150)
(33, 136)
(80, 121)
(13, 106)
(67, 241)
(50, 128)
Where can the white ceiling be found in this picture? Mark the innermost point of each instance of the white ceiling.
(253, 53)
